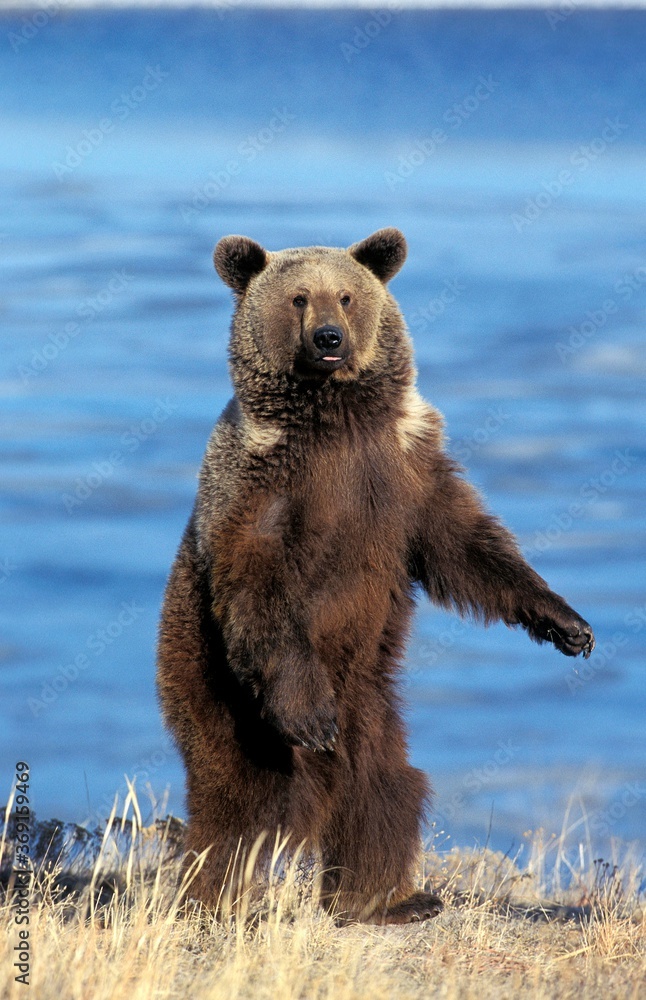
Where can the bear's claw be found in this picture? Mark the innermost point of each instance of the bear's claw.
(319, 735)
(573, 641)
(420, 906)
(325, 743)
(566, 630)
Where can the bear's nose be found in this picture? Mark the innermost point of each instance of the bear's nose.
(326, 338)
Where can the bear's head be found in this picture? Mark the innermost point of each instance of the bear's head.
(314, 312)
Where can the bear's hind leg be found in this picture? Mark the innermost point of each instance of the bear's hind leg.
(369, 851)
(232, 827)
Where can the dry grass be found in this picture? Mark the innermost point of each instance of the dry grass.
(108, 921)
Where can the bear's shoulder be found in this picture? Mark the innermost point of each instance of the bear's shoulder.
(419, 423)
(220, 472)
(234, 460)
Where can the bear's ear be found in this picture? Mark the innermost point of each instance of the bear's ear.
(237, 259)
(383, 253)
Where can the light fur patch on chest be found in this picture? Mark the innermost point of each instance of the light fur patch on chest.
(418, 421)
(259, 438)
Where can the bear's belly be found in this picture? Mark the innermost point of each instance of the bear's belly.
(334, 533)
(359, 592)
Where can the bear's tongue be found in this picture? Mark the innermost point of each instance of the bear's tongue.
(331, 359)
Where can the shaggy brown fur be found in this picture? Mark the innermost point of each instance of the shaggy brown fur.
(325, 494)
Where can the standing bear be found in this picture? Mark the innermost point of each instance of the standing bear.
(325, 495)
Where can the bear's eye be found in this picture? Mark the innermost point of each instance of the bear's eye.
(299, 301)
(345, 300)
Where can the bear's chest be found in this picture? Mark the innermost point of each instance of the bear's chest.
(329, 518)
(346, 511)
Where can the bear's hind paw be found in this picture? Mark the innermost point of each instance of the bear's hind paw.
(420, 906)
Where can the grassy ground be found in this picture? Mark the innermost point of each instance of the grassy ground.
(107, 921)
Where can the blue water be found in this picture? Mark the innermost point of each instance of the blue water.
(511, 154)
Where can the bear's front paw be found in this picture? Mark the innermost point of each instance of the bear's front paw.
(567, 631)
(315, 729)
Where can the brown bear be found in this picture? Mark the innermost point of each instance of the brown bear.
(324, 496)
